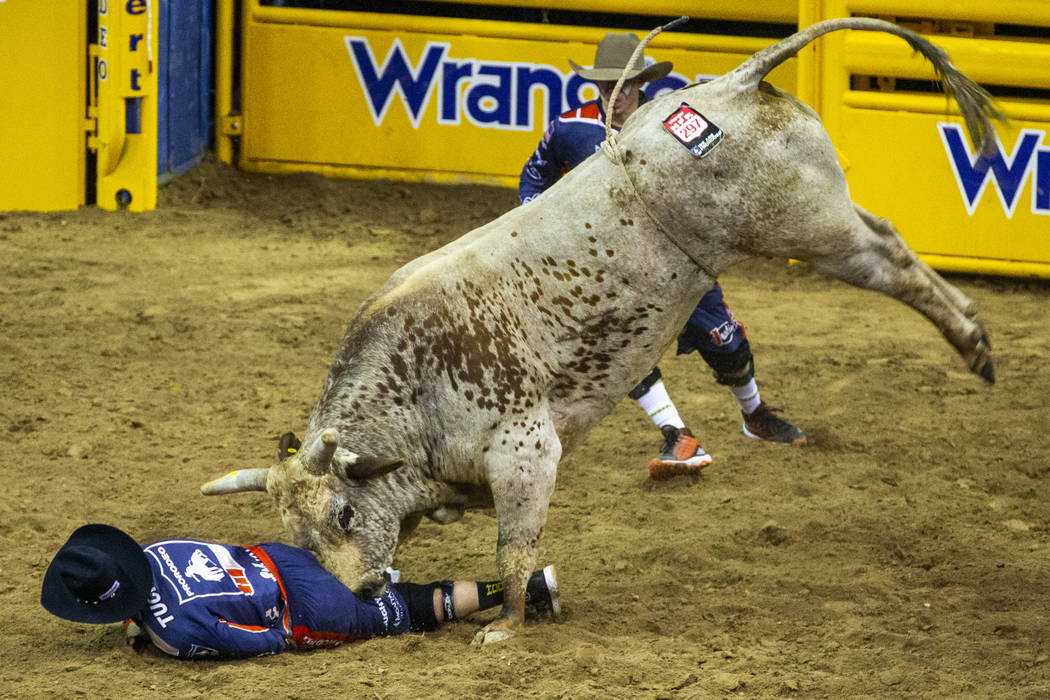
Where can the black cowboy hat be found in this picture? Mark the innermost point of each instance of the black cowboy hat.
(100, 575)
(611, 57)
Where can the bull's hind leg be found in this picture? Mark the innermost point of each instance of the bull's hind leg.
(880, 260)
(522, 463)
(886, 229)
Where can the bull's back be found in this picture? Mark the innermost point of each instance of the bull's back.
(760, 179)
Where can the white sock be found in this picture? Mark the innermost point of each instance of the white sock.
(747, 396)
(659, 406)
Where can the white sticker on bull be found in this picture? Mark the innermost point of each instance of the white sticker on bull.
(693, 130)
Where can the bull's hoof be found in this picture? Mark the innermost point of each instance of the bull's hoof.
(982, 364)
(984, 367)
(488, 635)
(987, 372)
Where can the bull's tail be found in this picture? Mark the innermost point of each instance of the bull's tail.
(974, 101)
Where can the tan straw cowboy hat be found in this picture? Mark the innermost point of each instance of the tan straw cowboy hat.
(613, 53)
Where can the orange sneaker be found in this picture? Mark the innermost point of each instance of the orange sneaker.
(681, 455)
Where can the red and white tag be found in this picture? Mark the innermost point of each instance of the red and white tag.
(693, 131)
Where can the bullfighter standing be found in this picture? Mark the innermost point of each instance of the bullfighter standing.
(711, 330)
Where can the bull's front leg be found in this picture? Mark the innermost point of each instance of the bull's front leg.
(522, 463)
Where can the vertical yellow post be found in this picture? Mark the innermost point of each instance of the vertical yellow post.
(809, 12)
(126, 74)
(224, 23)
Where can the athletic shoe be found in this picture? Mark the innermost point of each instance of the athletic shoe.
(681, 454)
(541, 592)
(764, 424)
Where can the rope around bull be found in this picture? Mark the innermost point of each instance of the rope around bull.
(609, 146)
(612, 150)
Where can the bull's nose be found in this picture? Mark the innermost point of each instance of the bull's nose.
(370, 588)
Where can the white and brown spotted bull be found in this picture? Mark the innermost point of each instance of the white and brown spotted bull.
(468, 375)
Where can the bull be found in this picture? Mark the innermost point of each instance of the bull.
(475, 368)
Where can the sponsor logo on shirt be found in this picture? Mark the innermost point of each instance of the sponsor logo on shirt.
(159, 609)
(383, 612)
(175, 572)
(201, 568)
(234, 570)
(209, 570)
(723, 333)
(382, 602)
(309, 642)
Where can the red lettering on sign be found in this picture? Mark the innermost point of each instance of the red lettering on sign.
(686, 124)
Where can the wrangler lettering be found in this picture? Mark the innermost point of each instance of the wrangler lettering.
(488, 94)
(1007, 174)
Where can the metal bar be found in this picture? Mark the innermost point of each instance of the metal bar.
(491, 28)
(986, 266)
(224, 18)
(1026, 12)
(284, 167)
(753, 11)
(993, 61)
(939, 104)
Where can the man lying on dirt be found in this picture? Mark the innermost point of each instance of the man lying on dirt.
(196, 599)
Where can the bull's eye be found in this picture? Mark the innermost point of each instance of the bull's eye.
(345, 516)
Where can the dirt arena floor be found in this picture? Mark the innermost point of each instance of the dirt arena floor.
(904, 553)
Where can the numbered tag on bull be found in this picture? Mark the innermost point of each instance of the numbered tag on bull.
(693, 130)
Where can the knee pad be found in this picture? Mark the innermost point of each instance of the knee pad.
(735, 368)
(420, 602)
(448, 599)
(646, 384)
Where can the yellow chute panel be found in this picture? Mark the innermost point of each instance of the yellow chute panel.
(42, 104)
(433, 98)
(902, 143)
(753, 11)
(916, 170)
(126, 75)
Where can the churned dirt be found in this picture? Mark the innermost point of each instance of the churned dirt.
(903, 553)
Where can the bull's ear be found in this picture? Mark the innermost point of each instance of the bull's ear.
(287, 445)
(365, 466)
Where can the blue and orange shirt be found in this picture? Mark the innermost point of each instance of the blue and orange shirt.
(568, 141)
(221, 601)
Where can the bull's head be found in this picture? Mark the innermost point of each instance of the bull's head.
(332, 502)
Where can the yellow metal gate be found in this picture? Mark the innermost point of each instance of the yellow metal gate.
(901, 141)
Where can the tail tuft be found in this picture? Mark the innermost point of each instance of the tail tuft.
(977, 106)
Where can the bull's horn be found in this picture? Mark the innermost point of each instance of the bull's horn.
(319, 457)
(370, 466)
(236, 482)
